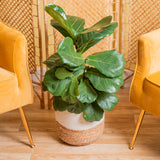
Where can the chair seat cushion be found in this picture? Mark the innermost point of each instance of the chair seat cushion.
(154, 78)
(8, 89)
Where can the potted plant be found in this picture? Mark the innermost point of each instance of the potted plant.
(82, 88)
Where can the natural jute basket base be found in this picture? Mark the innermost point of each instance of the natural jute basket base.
(79, 138)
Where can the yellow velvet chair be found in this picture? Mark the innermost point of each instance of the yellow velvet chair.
(15, 83)
(145, 87)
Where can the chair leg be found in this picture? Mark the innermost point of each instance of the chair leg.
(137, 129)
(26, 127)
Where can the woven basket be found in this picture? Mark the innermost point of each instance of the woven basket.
(79, 137)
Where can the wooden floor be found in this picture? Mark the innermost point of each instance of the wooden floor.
(113, 145)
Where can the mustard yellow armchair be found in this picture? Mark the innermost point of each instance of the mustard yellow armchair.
(15, 83)
(145, 87)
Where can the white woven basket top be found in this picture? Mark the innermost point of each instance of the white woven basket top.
(75, 121)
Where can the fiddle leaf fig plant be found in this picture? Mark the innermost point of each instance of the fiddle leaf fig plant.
(79, 84)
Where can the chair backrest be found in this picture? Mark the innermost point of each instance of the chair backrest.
(152, 40)
(20, 15)
(8, 37)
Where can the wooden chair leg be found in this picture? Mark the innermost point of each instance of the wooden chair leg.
(26, 127)
(137, 129)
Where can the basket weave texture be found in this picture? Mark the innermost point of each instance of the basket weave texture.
(79, 138)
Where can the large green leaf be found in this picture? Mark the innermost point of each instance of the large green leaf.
(73, 89)
(87, 40)
(67, 53)
(59, 104)
(106, 31)
(72, 93)
(56, 25)
(62, 73)
(77, 107)
(110, 63)
(77, 24)
(104, 22)
(53, 61)
(103, 83)
(60, 17)
(55, 86)
(68, 98)
(118, 80)
(73, 69)
(77, 71)
(92, 112)
(86, 92)
(107, 101)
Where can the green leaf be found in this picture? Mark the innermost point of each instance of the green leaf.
(60, 17)
(72, 99)
(73, 89)
(86, 92)
(72, 93)
(103, 83)
(110, 63)
(68, 98)
(92, 112)
(55, 86)
(77, 24)
(67, 53)
(106, 31)
(107, 101)
(77, 107)
(59, 104)
(74, 69)
(60, 28)
(53, 61)
(104, 22)
(77, 71)
(62, 73)
(118, 80)
(87, 40)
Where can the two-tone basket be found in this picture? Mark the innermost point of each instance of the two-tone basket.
(73, 129)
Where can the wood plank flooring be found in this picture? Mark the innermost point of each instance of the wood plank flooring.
(113, 145)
